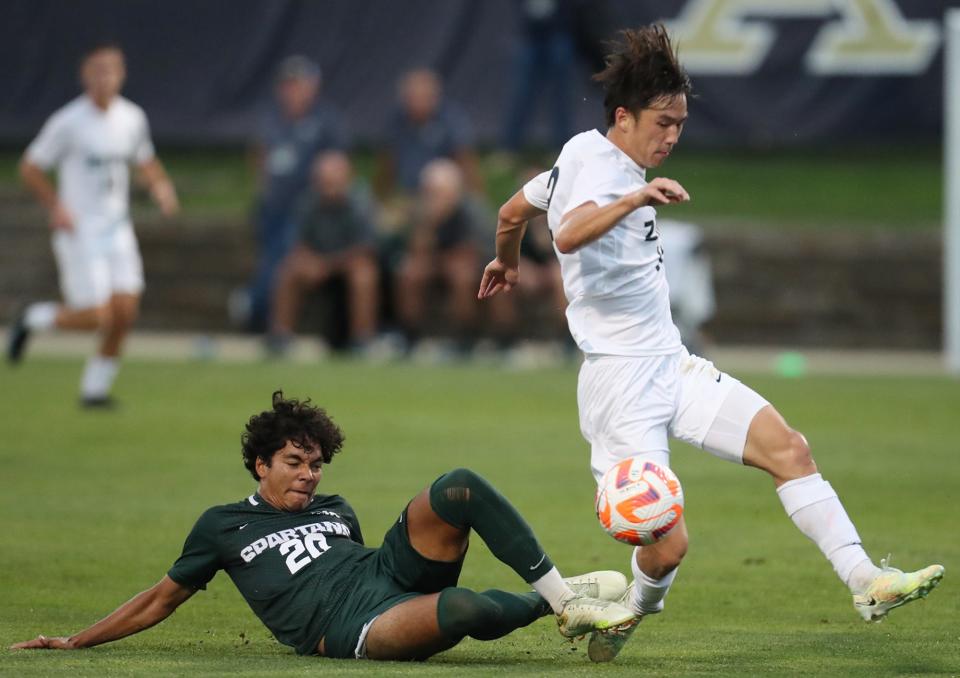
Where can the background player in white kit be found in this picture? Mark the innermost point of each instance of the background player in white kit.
(638, 384)
(91, 142)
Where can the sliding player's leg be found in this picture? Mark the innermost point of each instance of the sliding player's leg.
(439, 522)
(423, 626)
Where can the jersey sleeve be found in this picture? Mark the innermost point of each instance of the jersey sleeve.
(50, 145)
(143, 151)
(200, 559)
(536, 191)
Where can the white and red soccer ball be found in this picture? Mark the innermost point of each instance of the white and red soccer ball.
(639, 502)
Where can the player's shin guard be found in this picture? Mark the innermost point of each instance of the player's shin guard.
(465, 500)
(647, 593)
(488, 615)
(815, 509)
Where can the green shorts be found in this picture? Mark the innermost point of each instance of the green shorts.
(395, 573)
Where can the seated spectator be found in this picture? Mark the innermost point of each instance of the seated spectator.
(337, 234)
(442, 247)
(423, 128)
(297, 127)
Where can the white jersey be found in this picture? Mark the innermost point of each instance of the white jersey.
(92, 150)
(616, 286)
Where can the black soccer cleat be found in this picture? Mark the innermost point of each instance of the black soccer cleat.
(98, 403)
(17, 339)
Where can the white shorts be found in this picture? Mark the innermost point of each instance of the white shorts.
(96, 263)
(629, 407)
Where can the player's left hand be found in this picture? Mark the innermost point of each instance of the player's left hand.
(660, 191)
(44, 643)
(497, 276)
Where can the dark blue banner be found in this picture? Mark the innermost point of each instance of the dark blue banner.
(767, 72)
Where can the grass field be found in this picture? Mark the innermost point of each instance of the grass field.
(96, 506)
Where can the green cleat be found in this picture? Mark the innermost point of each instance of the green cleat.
(893, 588)
(604, 646)
(602, 584)
(582, 615)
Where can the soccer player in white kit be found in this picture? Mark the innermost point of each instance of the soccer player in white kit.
(638, 384)
(91, 142)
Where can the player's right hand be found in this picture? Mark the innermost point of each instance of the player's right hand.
(660, 191)
(44, 643)
(497, 276)
(60, 218)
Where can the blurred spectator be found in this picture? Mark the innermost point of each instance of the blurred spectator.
(543, 62)
(443, 246)
(690, 278)
(336, 227)
(423, 128)
(298, 126)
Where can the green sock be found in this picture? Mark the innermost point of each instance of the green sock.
(464, 499)
(488, 615)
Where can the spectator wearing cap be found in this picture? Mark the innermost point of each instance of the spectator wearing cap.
(424, 127)
(298, 126)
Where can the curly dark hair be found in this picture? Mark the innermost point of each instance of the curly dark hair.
(305, 425)
(641, 68)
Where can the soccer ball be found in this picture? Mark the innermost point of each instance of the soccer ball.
(639, 502)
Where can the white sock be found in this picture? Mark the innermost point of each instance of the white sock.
(554, 590)
(862, 576)
(816, 510)
(648, 593)
(41, 315)
(98, 376)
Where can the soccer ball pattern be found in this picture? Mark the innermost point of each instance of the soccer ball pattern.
(639, 502)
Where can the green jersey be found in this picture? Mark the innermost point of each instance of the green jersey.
(295, 569)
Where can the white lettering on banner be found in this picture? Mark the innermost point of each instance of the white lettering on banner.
(859, 37)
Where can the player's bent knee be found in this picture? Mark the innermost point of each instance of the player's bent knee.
(456, 495)
(798, 461)
(664, 557)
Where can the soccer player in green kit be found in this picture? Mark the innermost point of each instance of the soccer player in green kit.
(299, 561)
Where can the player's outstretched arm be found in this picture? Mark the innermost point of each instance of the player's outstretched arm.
(140, 612)
(504, 271)
(588, 222)
(160, 186)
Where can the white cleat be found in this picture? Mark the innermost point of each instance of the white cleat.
(602, 584)
(582, 615)
(893, 588)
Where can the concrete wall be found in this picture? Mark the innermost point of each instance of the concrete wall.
(794, 289)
